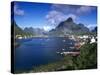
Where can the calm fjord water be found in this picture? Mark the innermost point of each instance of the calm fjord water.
(38, 51)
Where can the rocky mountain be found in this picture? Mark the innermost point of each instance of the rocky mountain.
(16, 29)
(69, 27)
(63, 28)
(35, 31)
(95, 29)
(27, 31)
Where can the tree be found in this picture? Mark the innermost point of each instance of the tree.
(87, 58)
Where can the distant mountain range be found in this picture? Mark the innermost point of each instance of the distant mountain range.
(27, 31)
(35, 31)
(63, 28)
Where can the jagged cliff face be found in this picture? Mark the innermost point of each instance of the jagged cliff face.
(69, 27)
(16, 29)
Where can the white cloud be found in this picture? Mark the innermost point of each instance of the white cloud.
(47, 28)
(84, 9)
(74, 9)
(18, 11)
(91, 26)
(55, 17)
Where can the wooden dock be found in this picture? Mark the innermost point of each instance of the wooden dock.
(71, 53)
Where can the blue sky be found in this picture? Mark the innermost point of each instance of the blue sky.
(48, 16)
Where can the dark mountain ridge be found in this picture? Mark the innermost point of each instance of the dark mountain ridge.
(69, 27)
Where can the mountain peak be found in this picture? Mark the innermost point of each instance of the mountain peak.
(69, 19)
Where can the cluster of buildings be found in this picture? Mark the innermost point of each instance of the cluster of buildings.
(23, 37)
(80, 40)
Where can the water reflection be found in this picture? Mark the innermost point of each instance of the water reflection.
(40, 51)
